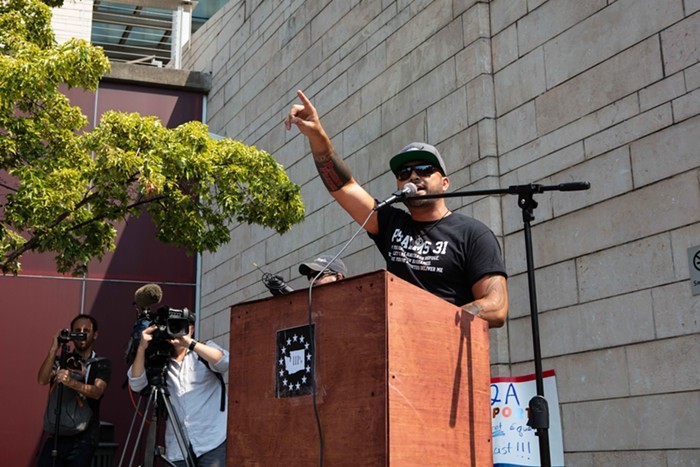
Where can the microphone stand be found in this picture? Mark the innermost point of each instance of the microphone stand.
(538, 415)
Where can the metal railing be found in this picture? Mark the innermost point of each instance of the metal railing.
(132, 33)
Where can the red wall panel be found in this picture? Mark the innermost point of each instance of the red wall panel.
(33, 310)
(39, 302)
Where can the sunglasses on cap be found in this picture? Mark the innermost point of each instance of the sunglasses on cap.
(422, 170)
(327, 272)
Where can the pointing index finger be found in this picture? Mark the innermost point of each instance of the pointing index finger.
(303, 98)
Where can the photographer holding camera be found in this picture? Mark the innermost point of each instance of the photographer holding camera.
(84, 377)
(193, 377)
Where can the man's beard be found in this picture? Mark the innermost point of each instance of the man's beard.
(423, 203)
(81, 346)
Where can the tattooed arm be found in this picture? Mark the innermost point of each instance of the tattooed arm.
(335, 174)
(491, 301)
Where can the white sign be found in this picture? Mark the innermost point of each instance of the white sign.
(515, 443)
(694, 269)
(295, 361)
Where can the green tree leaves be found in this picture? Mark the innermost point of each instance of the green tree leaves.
(66, 189)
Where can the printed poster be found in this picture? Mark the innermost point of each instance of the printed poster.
(514, 443)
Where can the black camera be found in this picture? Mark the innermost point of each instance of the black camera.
(65, 336)
(170, 323)
(74, 362)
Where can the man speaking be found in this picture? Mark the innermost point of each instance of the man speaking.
(450, 255)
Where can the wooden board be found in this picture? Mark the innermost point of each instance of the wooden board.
(392, 374)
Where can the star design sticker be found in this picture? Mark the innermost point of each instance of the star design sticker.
(295, 357)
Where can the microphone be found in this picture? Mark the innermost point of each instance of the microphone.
(275, 284)
(573, 186)
(408, 190)
(147, 296)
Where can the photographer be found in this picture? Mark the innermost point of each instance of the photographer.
(86, 374)
(194, 392)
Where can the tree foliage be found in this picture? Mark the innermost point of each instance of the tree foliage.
(64, 189)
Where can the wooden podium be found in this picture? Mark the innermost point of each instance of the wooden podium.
(402, 378)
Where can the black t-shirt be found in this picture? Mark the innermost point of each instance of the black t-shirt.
(101, 369)
(95, 367)
(445, 257)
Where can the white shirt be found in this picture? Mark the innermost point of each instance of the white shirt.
(195, 394)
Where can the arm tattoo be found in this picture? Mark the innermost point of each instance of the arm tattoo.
(333, 171)
(494, 289)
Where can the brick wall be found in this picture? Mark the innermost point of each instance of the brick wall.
(511, 92)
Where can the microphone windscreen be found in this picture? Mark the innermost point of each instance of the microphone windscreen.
(148, 295)
(410, 189)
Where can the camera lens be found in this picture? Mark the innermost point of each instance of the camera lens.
(178, 327)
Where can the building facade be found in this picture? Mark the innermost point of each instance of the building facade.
(511, 92)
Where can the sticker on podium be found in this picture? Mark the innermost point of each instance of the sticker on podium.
(295, 361)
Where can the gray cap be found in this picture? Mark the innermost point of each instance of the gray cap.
(417, 152)
(323, 261)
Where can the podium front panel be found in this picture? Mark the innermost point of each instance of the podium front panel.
(350, 354)
(402, 378)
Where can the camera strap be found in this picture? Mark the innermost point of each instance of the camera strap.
(88, 364)
(222, 405)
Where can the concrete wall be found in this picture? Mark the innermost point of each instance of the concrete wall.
(511, 92)
(73, 20)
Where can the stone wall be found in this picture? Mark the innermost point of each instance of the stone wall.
(511, 92)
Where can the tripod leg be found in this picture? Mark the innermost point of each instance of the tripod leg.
(151, 450)
(177, 429)
(150, 400)
(158, 398)
(149, 458)
(131, 429)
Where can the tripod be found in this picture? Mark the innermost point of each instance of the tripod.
(158, 400)
(538, 417)
(59, 399)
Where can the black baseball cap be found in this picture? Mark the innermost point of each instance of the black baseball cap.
(417, 152)
(323, 262)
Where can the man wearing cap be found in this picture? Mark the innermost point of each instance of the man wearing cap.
(333, 270)
(452, 256)
(195, 392)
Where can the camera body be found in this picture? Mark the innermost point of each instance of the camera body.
(65, 336)
(74, 362)
(170, 323)
(71, 361)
